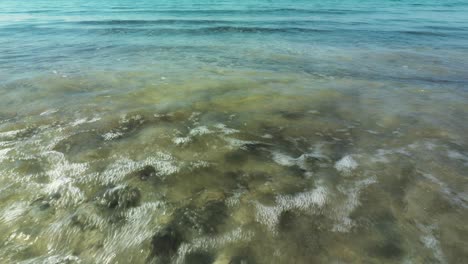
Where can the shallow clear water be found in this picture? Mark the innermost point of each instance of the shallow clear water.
(233, 131)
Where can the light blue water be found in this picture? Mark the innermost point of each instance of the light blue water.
(233, 131)
(80, 35)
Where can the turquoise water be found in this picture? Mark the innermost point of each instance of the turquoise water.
(233, 131)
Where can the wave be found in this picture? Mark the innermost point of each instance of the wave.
(150, 22)
(215, 29)
(423, 33)
(260, 11)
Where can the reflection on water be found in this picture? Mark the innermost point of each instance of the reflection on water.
(283, 138)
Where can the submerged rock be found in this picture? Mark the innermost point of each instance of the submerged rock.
(208, 196)
(188, 222)
(237, 157)
(28, 166)
(204, 220)
(293, 115)
(79, 143)
(244, 256)
(42, 203)
(199, 258)
(241, 260)
(145, 173)
(388, 250)
(165, 243)
(120, 197)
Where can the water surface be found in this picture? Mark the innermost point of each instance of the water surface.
(233, 131)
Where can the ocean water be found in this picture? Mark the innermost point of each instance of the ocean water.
(233, 131)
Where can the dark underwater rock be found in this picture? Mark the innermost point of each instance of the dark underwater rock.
(79, 143)
(287, 220)
(146, 173)
(28, 166)
(165, 243)
(241, 260)
(204, 220)
(388, 250)
(290, 115)
(120, 197)
(199, 258)
(244, 256)
(42, 203)
(237, 157)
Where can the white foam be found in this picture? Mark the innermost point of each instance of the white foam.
(53, 259)
(380, 156)
(49, 112)
(11, 134)
(459, 199)
(84, 121)
(4, 144)
(125, 119)
(457, 156)
(430, 242)
(306, 201)
(63, 176)
(112, 135)
(226, 130)
(199, 164)
(88, 215)
(213, 242)
(181, 140)
(4, 153)
(346, 165)
(283, 159)
(199, 131)
(10, 214)
(79, 122)
(343, 211)
(194, 132)
(194, 116)
(164, 164)
(137, 229)
(234, 200)
(235, 143)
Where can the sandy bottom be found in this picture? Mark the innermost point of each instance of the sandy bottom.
(235, 167)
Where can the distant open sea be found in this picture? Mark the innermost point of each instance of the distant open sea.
(233, 132)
